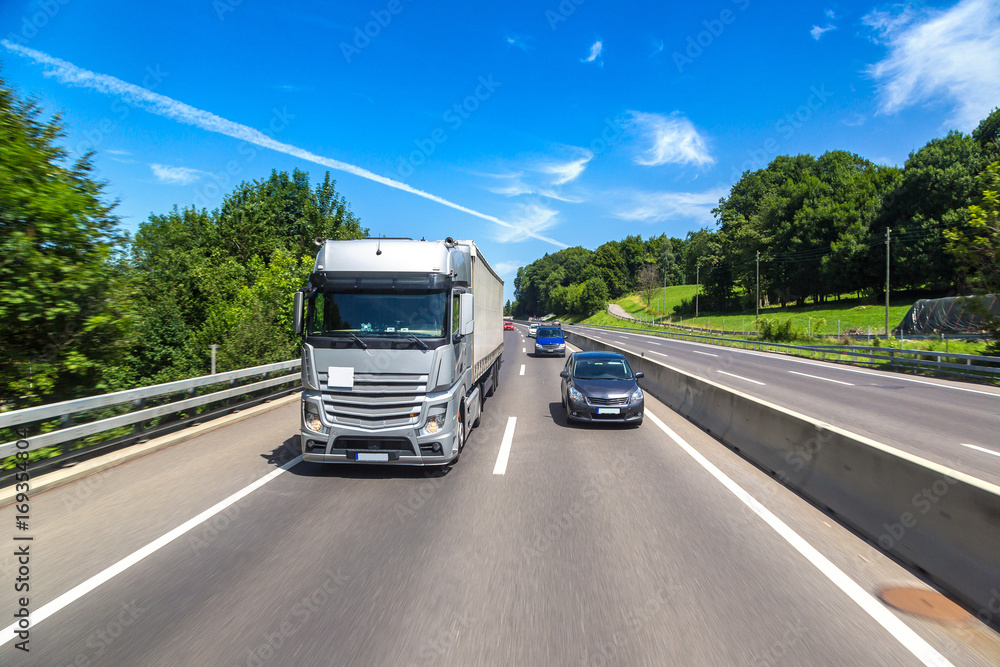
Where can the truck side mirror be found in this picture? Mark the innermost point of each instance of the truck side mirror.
(300, 301)
(466, 309)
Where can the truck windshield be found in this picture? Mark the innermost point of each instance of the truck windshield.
(420, 313)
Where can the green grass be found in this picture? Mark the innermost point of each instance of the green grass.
(853, 314)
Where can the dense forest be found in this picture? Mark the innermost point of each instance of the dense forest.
(813, 228)
(86, 309)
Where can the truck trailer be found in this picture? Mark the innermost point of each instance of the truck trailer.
(402, 340)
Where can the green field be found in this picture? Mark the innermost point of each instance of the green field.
(854, 316)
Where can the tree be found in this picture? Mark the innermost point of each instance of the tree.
(594, 296)
(649, 281)
(60, 322)
(977, 248)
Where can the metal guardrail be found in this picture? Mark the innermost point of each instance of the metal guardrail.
(964, 366)
(66, 409)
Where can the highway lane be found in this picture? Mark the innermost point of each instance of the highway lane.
(596, 546)
(931, 418)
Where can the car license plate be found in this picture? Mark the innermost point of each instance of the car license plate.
(373, 456)
(608, 411)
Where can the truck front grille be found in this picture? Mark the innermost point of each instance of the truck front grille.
(377, 400)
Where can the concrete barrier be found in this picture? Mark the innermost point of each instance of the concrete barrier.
(939, 520)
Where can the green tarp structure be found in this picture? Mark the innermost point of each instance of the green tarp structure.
(947, 315)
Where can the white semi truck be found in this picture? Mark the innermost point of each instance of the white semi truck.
(402, 341)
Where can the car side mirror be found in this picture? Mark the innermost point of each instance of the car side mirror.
(564, 374)
(640, 375)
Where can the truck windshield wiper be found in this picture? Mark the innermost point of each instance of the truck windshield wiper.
(419, 342)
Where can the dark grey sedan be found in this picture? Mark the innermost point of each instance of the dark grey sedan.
(601, 387)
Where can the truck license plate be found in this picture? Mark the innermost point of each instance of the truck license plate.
(373, 456)
(608, 411)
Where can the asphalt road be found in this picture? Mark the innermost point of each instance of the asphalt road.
(955, 424)
(596, 546)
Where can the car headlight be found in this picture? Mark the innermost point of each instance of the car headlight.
(313, 422)
(636, 396)
(575, 395)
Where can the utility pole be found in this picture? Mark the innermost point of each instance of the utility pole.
(697, 289)
(887, 230)
(756, 317)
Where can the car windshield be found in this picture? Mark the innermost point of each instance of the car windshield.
(602, 369)
(550, 332)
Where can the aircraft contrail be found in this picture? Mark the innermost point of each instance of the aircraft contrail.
(167, 107)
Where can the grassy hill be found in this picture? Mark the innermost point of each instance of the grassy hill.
(852, 314)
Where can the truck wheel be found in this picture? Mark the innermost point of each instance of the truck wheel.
(493, 383)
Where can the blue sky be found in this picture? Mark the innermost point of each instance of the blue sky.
(526, 126)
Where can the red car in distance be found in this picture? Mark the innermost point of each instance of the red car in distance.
(508, 326)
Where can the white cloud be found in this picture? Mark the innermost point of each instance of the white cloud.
(817, 32)
(527, 221)
(642, 206)
(595, 52)
(507, 268)
(116, 152)
(519, 42)
(161, 105)
(830, 15)
(176, 175)
(674, 140)
(952, 54)
(564, 172)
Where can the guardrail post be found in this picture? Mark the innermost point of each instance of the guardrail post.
(66, 421)
(139, 426)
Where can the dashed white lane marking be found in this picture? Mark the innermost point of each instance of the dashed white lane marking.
(524, 349)
(662, 354)
(740, 377)
(707, 354)
(902, 632)
(80, 590)
(508, 438)
(981, 449)
(522, 370)
(817, 377)
(653, 342)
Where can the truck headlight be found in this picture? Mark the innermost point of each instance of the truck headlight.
(434, 423)
(313, 422)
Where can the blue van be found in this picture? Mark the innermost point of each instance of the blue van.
(550, 340)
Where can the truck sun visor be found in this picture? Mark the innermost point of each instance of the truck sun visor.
(331, 281)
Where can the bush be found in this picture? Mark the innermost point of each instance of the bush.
(775, 331)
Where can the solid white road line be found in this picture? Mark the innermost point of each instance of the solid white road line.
(817, 377)
(707, 354)
(740, 377)
(508, 438)
(522, 370)
(80, 590)
(981, 449)
(902, 632)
